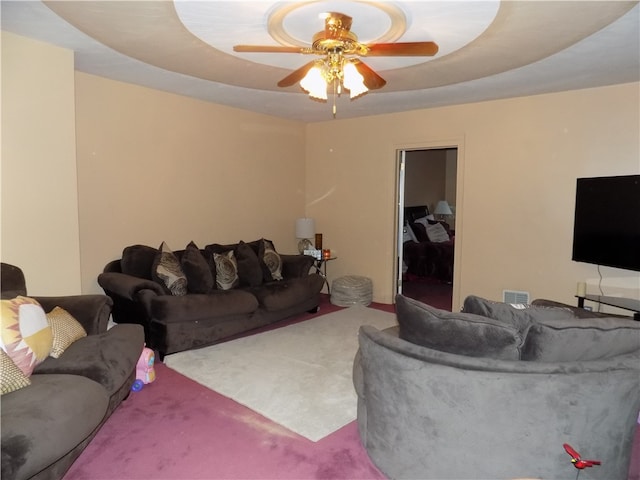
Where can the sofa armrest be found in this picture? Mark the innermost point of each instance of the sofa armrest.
(92, 311)
(296, 266)
(126, 286)
(113, 266)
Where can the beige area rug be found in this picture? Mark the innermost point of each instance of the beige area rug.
(299, 376)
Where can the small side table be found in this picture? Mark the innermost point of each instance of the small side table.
(630, 304)
(321, 269)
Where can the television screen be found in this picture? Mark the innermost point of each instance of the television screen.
(606, 227)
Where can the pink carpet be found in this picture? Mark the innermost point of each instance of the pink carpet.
(176, 429)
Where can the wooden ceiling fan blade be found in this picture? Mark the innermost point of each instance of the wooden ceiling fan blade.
(402, 49)
(295, 76)
(266, 49)
(372, 80)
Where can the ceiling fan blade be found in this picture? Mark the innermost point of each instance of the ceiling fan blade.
(372, 80)
(266, 49)
(402, 49)
(295, 76)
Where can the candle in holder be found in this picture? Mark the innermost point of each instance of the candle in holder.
(326, 254)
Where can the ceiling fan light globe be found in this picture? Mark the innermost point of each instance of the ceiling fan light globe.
(314, 84)
(356, 92)
(353, 80)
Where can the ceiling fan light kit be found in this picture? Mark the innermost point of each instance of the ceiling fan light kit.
(339, 70)
(336, 72)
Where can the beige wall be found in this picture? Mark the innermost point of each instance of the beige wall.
(425, 177)
(431, 176)
(517, 165)
(154, 166)
(451, 181)
(39, 185)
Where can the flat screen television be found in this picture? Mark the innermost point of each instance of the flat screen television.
(606, 228)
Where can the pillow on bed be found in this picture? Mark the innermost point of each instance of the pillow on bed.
(437, 233)
(425, 220)
(409, 235)
(420, 232)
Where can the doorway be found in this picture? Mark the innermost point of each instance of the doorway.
(427, 187)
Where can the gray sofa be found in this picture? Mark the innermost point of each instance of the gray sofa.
(495, 391)
(46, 425)
(206, 304)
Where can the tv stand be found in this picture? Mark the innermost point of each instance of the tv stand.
(620, 302)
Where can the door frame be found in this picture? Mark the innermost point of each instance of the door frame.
(400, 157)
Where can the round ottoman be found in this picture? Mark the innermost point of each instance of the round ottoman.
(351, 290)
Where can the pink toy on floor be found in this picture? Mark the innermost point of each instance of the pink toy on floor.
(145, 373)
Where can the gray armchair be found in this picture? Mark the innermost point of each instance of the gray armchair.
(425, 413)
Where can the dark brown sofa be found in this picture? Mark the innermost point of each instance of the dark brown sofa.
(46, 425)
(207, 313)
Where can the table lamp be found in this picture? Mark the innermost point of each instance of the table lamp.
(305, 231)
(442, 209)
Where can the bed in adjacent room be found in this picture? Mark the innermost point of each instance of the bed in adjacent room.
(428, 245)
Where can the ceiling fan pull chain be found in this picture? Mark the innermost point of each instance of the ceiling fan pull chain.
(334, 98)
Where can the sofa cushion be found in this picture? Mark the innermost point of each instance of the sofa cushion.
(198, 271)
(25, 334)
(166, 271)
(219, 303)
(249, 270)
(108, 358)
(65, 329)
(137, 260)
(459, 333)
(219, 248)
(581, 339)
(258, 248)
(297, 266)
(44, 421)
(11, 377)
(284, 294)
(226, 270)
(519, 315)
(270, 259)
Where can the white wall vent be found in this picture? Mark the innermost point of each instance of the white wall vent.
(514, 296)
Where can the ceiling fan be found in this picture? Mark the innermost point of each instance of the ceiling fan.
(339, 67)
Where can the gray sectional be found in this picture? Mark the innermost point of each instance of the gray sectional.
(495, 391)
